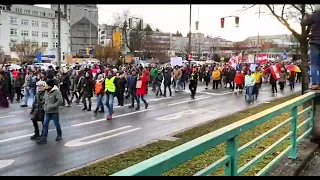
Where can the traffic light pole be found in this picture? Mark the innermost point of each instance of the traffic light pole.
(59, 37)
(190, 35)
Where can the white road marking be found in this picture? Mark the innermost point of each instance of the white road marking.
(177, 115)
(99, 120)
(5, 163)
(125, 105)
(7, 116)
(23, 136)
(182, 102)
(79, 142)
(16, 112)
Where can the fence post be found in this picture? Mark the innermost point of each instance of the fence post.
(311, 115)
(232, 151)
(293, 138)
(315, 138)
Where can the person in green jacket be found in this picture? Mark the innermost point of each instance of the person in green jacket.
(52, 102)
(153, 75)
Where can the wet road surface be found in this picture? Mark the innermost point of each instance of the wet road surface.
(88, 137)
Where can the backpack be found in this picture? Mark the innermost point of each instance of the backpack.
(99, 87)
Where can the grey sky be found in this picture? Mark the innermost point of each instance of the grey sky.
(170, 18)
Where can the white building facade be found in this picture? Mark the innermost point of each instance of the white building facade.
(35, 24)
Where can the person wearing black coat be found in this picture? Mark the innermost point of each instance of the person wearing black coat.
(158, 82)
(64, 87)
(87, 87)
(37, 109)
(167, 82)
(18, 84)
(120, 88)
(232, 75)
(3, 90)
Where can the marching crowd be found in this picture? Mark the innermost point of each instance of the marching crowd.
(49, 90)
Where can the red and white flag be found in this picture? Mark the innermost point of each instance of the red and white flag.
(275, 72)
(262, 58)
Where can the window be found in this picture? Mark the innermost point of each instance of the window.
(45, 24)
(27, 11)
(24, 33)
(50, 15)
(35, 33)
(35, 23)
(55, 35)
(13, 20)
(35, 44)
(44, 44)
(43, 14)
(55, 45)
(44, 34)
(55, 25)
(24, 22)
(13, 32)
(18, 10)
(35, 13)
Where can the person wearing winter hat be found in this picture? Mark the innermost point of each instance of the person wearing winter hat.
(52, 102)
(37, 109)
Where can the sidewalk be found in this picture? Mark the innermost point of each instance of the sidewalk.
(313, 167)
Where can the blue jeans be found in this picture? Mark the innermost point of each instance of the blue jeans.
(100, 102)
(249, 90)
(315, 61)
(47, 118)
(143, 100)
(27, 94)
(177, 83)
(109, 103)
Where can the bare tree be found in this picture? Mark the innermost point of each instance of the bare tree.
(132, 38)
(26, 51)
(108, 55)
(295, 12)
(240, 48)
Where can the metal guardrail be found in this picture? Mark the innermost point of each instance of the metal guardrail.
(229, 134)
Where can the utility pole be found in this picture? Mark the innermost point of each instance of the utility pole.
(59, 37)
(258, 37)
(190, 35)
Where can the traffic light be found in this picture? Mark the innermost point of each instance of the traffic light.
(222, 22)
(130, 23)
(237, 21)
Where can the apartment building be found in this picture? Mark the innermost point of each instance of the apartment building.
(31, 23)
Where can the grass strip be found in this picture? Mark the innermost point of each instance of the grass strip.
(129, 158)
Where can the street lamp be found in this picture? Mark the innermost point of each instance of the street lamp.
(258, 37)
(90, 10)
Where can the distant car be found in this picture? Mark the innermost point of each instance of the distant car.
(44, 66)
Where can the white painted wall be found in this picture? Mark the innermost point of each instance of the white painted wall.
(6, 26)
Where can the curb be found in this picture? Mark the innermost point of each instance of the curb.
(305, 161)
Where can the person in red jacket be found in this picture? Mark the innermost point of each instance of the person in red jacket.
(239, 81)
(141, 88)
(146, 74)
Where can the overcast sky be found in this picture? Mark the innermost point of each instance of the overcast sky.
(172, 18)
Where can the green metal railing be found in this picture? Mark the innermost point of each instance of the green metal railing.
(163, 162)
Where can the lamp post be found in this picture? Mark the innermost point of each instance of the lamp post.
(90, 10)
(190, 34)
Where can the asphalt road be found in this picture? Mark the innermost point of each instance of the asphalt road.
(87, 138)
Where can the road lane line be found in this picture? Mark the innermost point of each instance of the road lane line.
(5, 163)
(1, 117)
(99, 120)
(182, 102)
(116, 107)
(78, 142)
